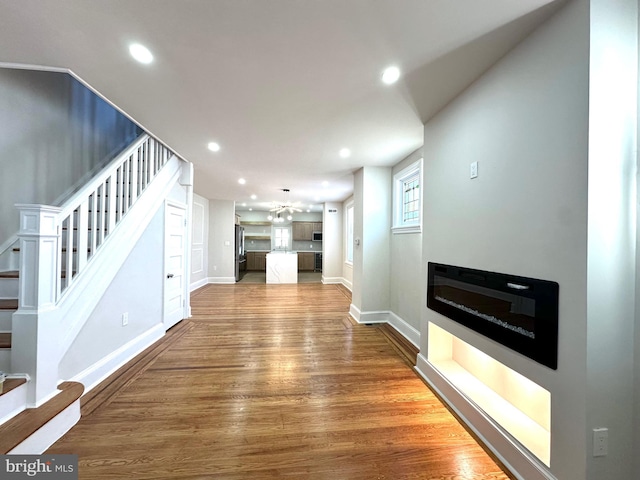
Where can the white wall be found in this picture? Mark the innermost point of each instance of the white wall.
(332, 241)
(358, 228)
(53, 132)
(221, 241)
(199, 241)
(611, 259)
(137, 290)
(526, 123)
(406, 285)
(372, 226)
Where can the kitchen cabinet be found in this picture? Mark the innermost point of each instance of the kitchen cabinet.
(306, 261)
(257, 261)
(261, 261)
(304, 230)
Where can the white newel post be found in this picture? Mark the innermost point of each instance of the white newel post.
(34, 334)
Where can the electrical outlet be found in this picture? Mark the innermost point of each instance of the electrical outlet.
(125, 319)
(600, 442)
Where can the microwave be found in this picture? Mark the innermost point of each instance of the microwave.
(316, 236)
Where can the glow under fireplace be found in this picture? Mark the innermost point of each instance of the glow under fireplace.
(519, 406)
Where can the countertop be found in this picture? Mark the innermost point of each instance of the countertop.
(296, 251)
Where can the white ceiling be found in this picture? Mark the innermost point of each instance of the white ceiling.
(281, 85)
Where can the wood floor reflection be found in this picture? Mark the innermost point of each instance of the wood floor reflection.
(271, 382)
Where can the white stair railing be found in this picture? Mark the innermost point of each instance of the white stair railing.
(57, 244)
(87, 219)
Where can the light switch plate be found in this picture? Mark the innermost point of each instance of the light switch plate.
(474, 170)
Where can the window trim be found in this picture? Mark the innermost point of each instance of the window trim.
(399, 179)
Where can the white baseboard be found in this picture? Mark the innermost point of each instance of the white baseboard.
(337, 281)
(50, 432)
(354, 312)
(221, 280)
(368, 317)
(197, 284)
(331, 280)
(516, 458)
(406, 330)
(96, 373)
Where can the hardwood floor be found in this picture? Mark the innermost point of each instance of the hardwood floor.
(271, 382)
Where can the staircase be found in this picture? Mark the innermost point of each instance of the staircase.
(67, 258)
(9, 284)
(8, 305)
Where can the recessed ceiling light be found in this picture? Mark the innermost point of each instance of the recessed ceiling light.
(244, 204)
(140, 53)
(308, 211)
(390, 75)
(251, 209)
(325, 184)
(253, 197)
(345, 153)
(242, 181)
(213, 146)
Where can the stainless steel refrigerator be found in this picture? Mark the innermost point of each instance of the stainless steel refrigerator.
(240, 258)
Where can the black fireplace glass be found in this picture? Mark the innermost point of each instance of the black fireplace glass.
(520, 313)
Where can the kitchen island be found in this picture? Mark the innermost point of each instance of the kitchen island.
(282, 267)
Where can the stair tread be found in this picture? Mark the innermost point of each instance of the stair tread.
(22, 426)
(8, 303)
(5, 340)
(11, 384)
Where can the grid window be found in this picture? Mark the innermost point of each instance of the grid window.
(407, 204)
(281, 237)
(411, 199)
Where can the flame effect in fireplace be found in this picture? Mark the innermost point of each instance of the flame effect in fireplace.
(489, 318)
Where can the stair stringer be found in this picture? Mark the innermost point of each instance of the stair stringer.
(60, 325)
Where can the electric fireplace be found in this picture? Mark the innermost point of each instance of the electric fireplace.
(520, 313)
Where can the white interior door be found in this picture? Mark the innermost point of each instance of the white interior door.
(174, 264)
